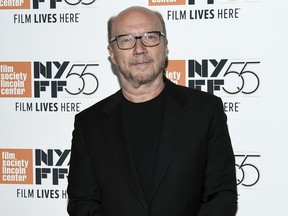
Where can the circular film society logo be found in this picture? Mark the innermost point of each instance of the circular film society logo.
(216, 76)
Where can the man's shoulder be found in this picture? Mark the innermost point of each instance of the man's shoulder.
(190, 95)
(99, 106)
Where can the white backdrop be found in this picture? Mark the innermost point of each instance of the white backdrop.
(54, 63)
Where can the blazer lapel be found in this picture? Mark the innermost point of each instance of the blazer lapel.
(174, 117)
(114, 132)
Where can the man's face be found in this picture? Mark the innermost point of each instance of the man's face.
(139, 65)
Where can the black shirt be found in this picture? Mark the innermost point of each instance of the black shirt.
(143, 124)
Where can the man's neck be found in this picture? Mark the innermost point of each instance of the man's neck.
(144, 92)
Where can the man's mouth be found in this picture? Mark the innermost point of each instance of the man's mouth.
(141, 62)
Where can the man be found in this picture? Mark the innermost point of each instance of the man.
(153, 148)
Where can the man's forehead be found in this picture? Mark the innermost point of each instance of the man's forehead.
(136, 11)
(136, 20)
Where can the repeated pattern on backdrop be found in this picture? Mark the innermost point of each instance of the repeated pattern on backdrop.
(54, 63)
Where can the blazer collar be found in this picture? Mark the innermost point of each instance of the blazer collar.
(171, 88)
(174, 119)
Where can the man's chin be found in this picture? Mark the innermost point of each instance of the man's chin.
(142, 68)
(142, 79)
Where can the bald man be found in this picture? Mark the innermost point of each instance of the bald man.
(153, 148)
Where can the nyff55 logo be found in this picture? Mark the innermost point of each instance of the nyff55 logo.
(73, 79)
(49, 79)
(51, 165)
(247, 169)
(53, 3)
(217, 76)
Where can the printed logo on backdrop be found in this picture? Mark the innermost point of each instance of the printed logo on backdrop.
(16, 166)
(213, 9)
(15, 79)
(52, 17)
(175, 71)
(56, 79)
(35, 167)
(222, 77)
(52, 80)
(247, 170)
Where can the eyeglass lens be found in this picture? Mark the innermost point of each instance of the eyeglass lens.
(129, 41)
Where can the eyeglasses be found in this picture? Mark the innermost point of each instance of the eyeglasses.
(128, 41)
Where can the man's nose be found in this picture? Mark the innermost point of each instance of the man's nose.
(139, 48)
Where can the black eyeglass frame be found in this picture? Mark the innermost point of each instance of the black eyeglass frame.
(136, 38)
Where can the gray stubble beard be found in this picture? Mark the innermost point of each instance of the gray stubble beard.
(130, 78)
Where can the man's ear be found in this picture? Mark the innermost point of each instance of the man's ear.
(167, 51)
(111, 53)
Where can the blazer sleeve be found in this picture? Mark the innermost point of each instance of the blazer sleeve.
(220, 193)
(83, 189)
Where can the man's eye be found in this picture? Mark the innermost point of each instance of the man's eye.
(151, 37)
(125, 39)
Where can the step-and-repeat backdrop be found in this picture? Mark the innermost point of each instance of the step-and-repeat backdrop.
(54, 63)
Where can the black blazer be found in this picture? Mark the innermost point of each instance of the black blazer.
(195, 171)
